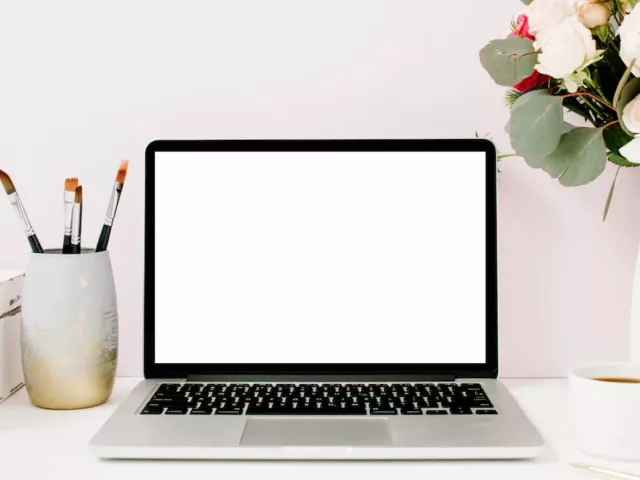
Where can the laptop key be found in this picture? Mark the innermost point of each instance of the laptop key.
(484, 404)
(410, 411)
(169, 401)
(176, 411)
(229, 410)
(202, 411)
(152, 410)
(486, 412)
(460, 411)
(382, 411)
(437, 412)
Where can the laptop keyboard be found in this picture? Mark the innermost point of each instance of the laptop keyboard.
(319, 399)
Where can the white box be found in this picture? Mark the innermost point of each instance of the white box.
(11, 377)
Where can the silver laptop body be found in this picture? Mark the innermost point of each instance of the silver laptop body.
(320, 299)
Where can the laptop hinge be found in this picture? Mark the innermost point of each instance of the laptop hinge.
(319, 378)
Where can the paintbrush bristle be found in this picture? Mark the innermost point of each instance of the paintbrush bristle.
(7, 184)
(122, 171)
(70, 184)
(78, 198)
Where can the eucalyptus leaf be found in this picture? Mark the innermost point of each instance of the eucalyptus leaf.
(526, 2)
(531, 95)
(621, 161)
(536, 124)
(580, 157)
(537, 161)
(629, 92)
(509, 60)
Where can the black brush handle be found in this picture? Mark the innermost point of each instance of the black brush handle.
(75, 248)
(35, 244)
(66, 244)
(103, 241)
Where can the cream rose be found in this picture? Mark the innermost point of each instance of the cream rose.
(545, 14)
(565, 48)
(631, 151)
(630, 40)
(594, 13)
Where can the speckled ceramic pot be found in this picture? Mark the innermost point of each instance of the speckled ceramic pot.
(69, 329)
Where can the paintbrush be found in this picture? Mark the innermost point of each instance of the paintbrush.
(605, 471)
(22, 213)
(103, 241)
(76, 222)
(70, 185)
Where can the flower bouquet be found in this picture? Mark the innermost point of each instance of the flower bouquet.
(579, 56)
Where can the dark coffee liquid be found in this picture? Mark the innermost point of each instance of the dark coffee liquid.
(618, 379)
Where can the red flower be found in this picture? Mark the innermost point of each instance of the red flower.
(522, 27)
(536, 79)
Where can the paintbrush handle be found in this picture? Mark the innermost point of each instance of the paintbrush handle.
(103, 241)
(76, 228)
(66, 244)
(35, 244)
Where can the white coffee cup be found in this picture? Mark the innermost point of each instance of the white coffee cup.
(606, 414)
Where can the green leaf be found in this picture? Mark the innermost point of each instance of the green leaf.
(615, 138)
(621, 161)
(610, 196)
(526, 2)
(580, 157)
(602, 33)
(537, 162)
(622, 83)
(629, 92)
(535, 126)
(509, 60)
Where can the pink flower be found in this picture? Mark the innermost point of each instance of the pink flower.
(536, 79)
(522, 27)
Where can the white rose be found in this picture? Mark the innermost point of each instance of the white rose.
(631, 151)
(630, 40)
(565, 48)
(594, 13)
(545, 14)
(631, 115)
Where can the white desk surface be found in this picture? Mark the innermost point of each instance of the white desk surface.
(44, 444)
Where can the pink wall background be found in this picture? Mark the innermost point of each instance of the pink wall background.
(85, 85)
(565, 276)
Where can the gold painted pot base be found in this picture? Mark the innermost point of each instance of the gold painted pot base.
(59, 385)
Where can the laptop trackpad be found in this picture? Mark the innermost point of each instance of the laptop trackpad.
(321, 431)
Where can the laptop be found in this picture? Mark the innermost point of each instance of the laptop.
(320, 299)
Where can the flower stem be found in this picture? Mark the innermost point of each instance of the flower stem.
(593, 107)
(506, 155)
(609, 124)
(591, 95)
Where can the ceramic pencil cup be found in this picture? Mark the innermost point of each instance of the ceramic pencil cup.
(69, 329)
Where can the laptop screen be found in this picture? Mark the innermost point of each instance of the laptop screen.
(320, 257)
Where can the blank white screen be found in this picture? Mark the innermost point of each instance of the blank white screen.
(322, 257)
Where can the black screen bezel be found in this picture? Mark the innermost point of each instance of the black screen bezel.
(489, 369)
